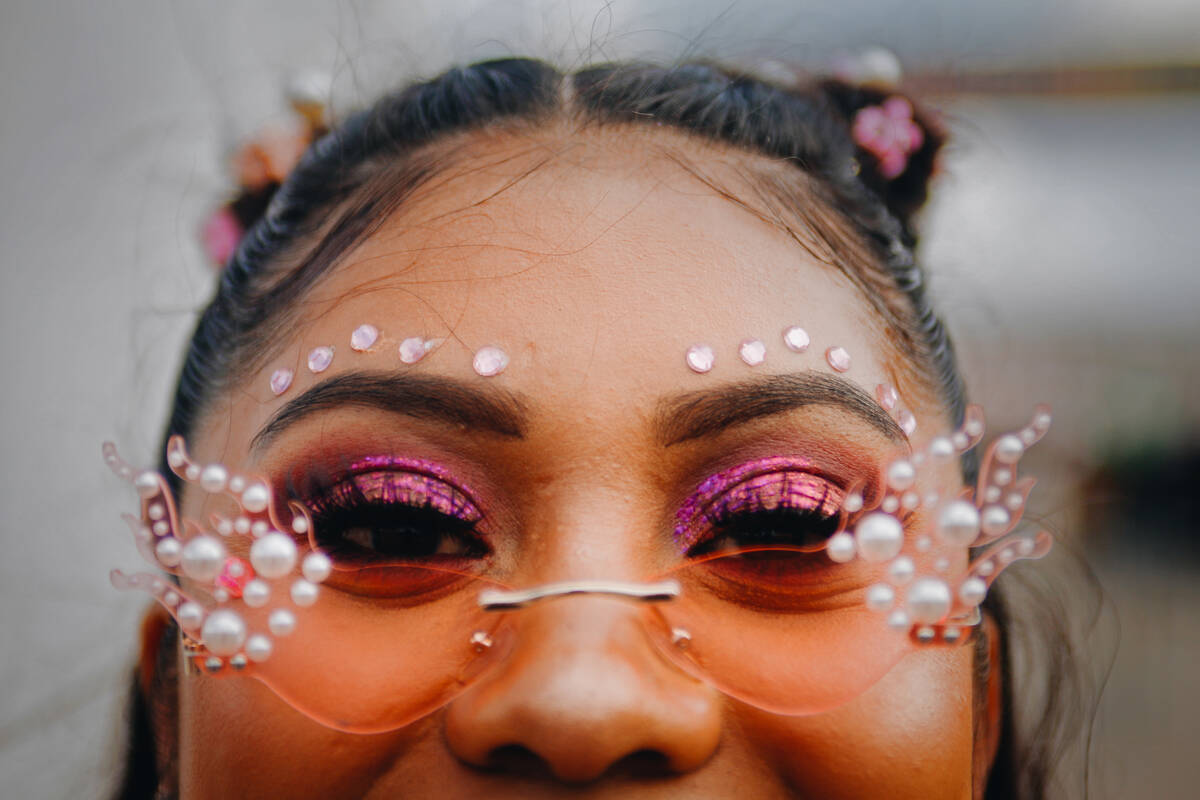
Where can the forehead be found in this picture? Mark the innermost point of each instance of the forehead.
(594, 262)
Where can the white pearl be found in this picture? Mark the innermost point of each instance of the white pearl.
(994, 520)
(853, 503)
(213, 478)
(258, 648)
(259, 527)
(928, 600)
(168, 551)
(1009, 448)
(958, 523)
(223, 632)
(236, 484)
(192, 472)
(273, 556)
(898, 620)
(880, 597)
(840, 547)
(203, 557)
(890, 504)
(316, 567)
(304, 593)
(189, 616)
(902, 570)
(300, 525)
(255, 498)
(879, 537)
(900, 475)
(256, 593)
(941, 447)
(161, 528)
(972, 591)
(221, 596)
(146, 484)
(986, 568)
(281, 622)
(156, 511)
(242, 525)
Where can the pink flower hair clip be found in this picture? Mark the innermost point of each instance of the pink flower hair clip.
(889, 133)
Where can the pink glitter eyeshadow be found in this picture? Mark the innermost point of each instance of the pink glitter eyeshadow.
(765, 484)
(401, 481)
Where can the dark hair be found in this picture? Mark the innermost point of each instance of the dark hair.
(353, 178)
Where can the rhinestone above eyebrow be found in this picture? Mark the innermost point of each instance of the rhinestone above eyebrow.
(319, 359)
(752, 351)
(838, 358)
(281, 379)
(363, 338)
(413, 349)
(490, 361)
(700, 358)
(796, 339)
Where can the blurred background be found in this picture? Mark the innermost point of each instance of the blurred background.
(1061, 240)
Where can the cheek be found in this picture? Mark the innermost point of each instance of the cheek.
(909, 736)
(237, 739)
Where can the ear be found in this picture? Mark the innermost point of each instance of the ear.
(151, 640)
(989, 724)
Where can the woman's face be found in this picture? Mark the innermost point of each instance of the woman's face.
(595, 272)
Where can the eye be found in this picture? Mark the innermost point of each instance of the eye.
(388, 518)
(782, 510)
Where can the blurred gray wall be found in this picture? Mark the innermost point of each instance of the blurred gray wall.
(1062, 241)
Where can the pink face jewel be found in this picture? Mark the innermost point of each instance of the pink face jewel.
(281, 379)
(413, 349)
(907, 422)
(796, 339)
(838, 358)
(490, 361)
(700, 358)
(320, 359)
(364, 337)
(752, 351)
(886, 395)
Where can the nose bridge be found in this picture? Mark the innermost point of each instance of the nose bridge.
(581, 686)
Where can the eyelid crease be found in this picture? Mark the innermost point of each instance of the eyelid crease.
(385, 480)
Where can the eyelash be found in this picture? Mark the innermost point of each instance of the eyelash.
(420, 514)
(772, 509)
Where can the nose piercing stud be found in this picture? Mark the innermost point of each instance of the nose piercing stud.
(480, 641)
(680, 638)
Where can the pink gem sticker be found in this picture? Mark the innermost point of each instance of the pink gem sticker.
(907, 422)
(281, 379)
(320, 359)
(838, 358)
(413, 349)
(364, 337)
(700, 358)
(886, 395)
(490, 361)
(753, 351)
(796, 339)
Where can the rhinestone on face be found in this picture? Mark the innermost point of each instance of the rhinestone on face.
(281, 379)
(901, 475)
(213, 478)
(490, 361)
(364, 337)
(902, 570)
(700, 358)
(304, 593)
(168, 551)
(413, 350)
(796, 339)
(887, 396)
(753, 351)
(958, 523)
(258, 648)
(838, 359)
(281, 622)
(255, 498)
(316, 567)
(880, 597)
(319, 359)
(907, 422)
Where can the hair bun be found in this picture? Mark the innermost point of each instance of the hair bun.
(896, 141)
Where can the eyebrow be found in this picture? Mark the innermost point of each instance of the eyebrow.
(693, 415)
(429, 397)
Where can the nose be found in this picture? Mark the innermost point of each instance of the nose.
(582, 693)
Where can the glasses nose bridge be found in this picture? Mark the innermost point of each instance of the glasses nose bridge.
(633, 591)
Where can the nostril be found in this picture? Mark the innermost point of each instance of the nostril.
(518, 761)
